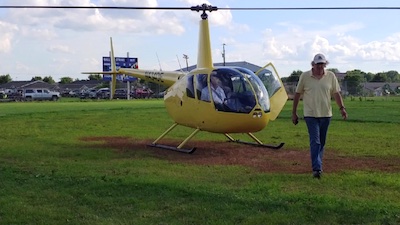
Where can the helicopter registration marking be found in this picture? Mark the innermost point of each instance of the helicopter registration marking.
(154, 75)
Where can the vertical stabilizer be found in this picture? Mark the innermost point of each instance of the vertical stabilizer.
(204, 58)
(114, 70)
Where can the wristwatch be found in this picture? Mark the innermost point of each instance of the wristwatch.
(342, 108)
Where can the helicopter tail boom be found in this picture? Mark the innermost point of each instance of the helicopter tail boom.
(165, 78)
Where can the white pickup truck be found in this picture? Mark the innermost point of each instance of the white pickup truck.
(40, 94)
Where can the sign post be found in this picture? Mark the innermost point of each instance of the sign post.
(120, 62)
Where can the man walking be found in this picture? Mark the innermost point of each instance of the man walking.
(317, 86)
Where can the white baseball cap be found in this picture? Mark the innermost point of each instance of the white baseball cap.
(319, 58)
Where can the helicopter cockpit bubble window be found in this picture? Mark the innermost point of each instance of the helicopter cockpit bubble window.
(259, 88)
(232, 91)
(189, 87)
(217, 94)
(201, 83)
(270, 81)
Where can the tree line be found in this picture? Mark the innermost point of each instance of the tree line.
(391, 76)
(48, 79)
(354, 79)
(352, 76)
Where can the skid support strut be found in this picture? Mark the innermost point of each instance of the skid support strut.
(257, 142)
(180, 146)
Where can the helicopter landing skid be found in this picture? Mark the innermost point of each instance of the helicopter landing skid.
(183, 150)
(257, 142)
(276, 147)
(180, 146)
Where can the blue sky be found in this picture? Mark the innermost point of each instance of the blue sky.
(59, 43)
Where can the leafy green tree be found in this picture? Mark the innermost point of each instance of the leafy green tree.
(397, 90)
(294, 76)
(352, 82)
(95, 77)
(379, 77)
(368, 76)
(355, 73)
(49, 80)
(66, 80)
(36, 78)
(334, 70)
(5, 79)
(393, 76)
(387, 90)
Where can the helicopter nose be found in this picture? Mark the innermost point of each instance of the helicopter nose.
(257, 113)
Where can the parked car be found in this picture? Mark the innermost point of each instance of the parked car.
(16, 95)
(160, 94)
(142, 93)
(103, 93)
(89, 93)
(74, 93)
(40, 94)
(120, 94)
(65, 93)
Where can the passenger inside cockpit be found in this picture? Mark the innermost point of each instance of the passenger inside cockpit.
(218, 94)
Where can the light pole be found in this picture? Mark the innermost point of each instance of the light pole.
(223, 52)
(186, 57)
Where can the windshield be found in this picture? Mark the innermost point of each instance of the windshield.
(234, 90)
(259, 88)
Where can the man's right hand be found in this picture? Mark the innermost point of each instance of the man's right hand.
(295, 119)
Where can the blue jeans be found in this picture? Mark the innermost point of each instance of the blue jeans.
(317, 131)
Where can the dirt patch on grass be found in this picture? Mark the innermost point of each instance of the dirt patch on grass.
(262, 159)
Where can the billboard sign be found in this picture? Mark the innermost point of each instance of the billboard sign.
(120, 62)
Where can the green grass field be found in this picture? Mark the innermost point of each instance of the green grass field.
(48, 175)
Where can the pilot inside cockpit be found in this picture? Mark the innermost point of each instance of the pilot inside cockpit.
(218, 94)
(230, 90)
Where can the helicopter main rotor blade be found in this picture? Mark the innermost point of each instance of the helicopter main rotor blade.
(87, 7)
(197, 8)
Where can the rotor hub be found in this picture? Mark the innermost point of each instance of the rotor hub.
(204, 7)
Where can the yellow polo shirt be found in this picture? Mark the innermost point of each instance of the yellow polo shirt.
(317, 94)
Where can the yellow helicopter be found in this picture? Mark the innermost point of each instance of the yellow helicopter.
(222, 100)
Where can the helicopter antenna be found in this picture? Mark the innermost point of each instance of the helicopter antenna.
(179, 63)
(158, 59)
(186, 57)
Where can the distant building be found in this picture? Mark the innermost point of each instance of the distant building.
(18, 85)
(380, 88)
(80, 85)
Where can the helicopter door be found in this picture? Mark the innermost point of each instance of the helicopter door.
(275, 88)
(201, 83)
(189, 87)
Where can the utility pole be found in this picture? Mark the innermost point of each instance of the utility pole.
(128, 84)
(223, 52)
(186, 57)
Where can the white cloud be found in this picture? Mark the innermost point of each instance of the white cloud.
(59, 49)
(6, 36)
